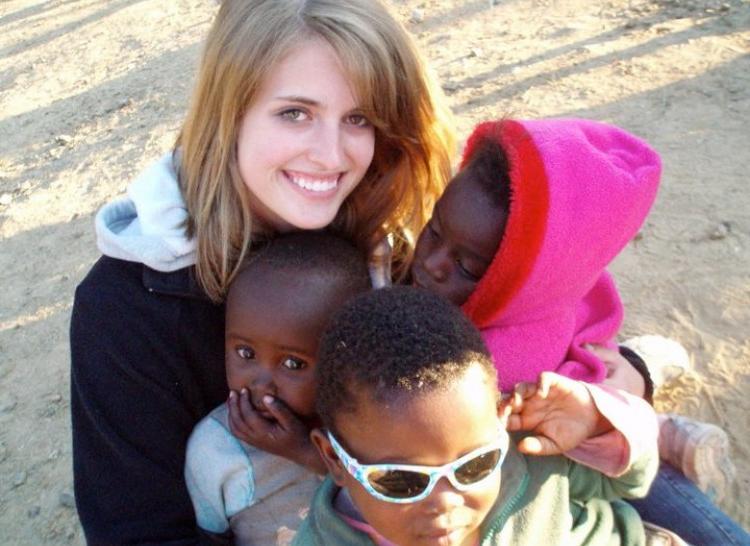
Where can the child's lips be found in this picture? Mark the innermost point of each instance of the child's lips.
(443, 535)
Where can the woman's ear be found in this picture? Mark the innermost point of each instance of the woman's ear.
(333, 463)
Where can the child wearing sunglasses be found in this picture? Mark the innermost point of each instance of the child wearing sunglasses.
(242, 489)
(416, 445)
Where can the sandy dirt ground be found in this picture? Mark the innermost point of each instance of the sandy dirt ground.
(92, 91)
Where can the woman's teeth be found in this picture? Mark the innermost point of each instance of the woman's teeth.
(313, 184)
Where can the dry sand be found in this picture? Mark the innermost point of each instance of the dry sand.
(92, 91)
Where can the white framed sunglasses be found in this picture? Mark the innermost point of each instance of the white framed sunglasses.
(405, 483)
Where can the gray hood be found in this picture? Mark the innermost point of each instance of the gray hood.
(148, 226)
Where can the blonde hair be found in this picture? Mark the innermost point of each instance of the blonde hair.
(414, 141)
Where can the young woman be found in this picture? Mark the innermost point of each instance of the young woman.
(305, 115)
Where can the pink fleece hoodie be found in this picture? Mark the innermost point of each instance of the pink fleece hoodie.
(580, 190)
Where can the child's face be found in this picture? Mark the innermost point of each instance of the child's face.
(429, 429)
(457, 245)
(274, 322)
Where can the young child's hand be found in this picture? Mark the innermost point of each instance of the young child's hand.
(284, 435)
(559, 412)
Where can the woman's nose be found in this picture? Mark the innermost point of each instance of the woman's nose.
(327, 147)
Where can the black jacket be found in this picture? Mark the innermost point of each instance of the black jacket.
(147, 357)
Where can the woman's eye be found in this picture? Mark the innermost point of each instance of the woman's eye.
(293, 363)
(293, 114)
(432, 230)
(358, 120)
(246, 353)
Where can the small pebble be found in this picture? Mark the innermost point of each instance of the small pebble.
(720, 232)
(8, 405)
(67, 499)
(20, 478)
(63, 140)
(33, 511)
(450, 87)
(6, 199)
(417, 16)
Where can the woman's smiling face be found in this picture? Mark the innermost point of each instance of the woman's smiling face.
(303, 144)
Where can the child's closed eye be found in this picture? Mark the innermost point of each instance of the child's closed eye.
(469, 271)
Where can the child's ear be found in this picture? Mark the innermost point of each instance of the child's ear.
(333, 463)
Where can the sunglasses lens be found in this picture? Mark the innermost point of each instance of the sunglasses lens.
(398, 484)
(478, 468)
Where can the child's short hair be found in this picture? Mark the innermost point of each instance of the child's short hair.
(393, 341)
(312, 253)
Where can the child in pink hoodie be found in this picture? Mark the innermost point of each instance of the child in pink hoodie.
(522, 236)
(521, 239)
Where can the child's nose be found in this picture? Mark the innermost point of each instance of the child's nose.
(261, 380)
(435, 264)
(444, 497)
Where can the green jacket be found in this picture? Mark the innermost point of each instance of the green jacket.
(543, 500)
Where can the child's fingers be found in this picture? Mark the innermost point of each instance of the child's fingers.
(523, 391)
(236, 424)
(505, 407)
(538, 445)
(253, 420)
(547, 382)
(514, 422)
(280, 412)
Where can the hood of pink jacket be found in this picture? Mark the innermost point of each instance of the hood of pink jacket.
(580, 190)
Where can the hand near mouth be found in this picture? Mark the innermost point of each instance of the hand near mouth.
(274, 429)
